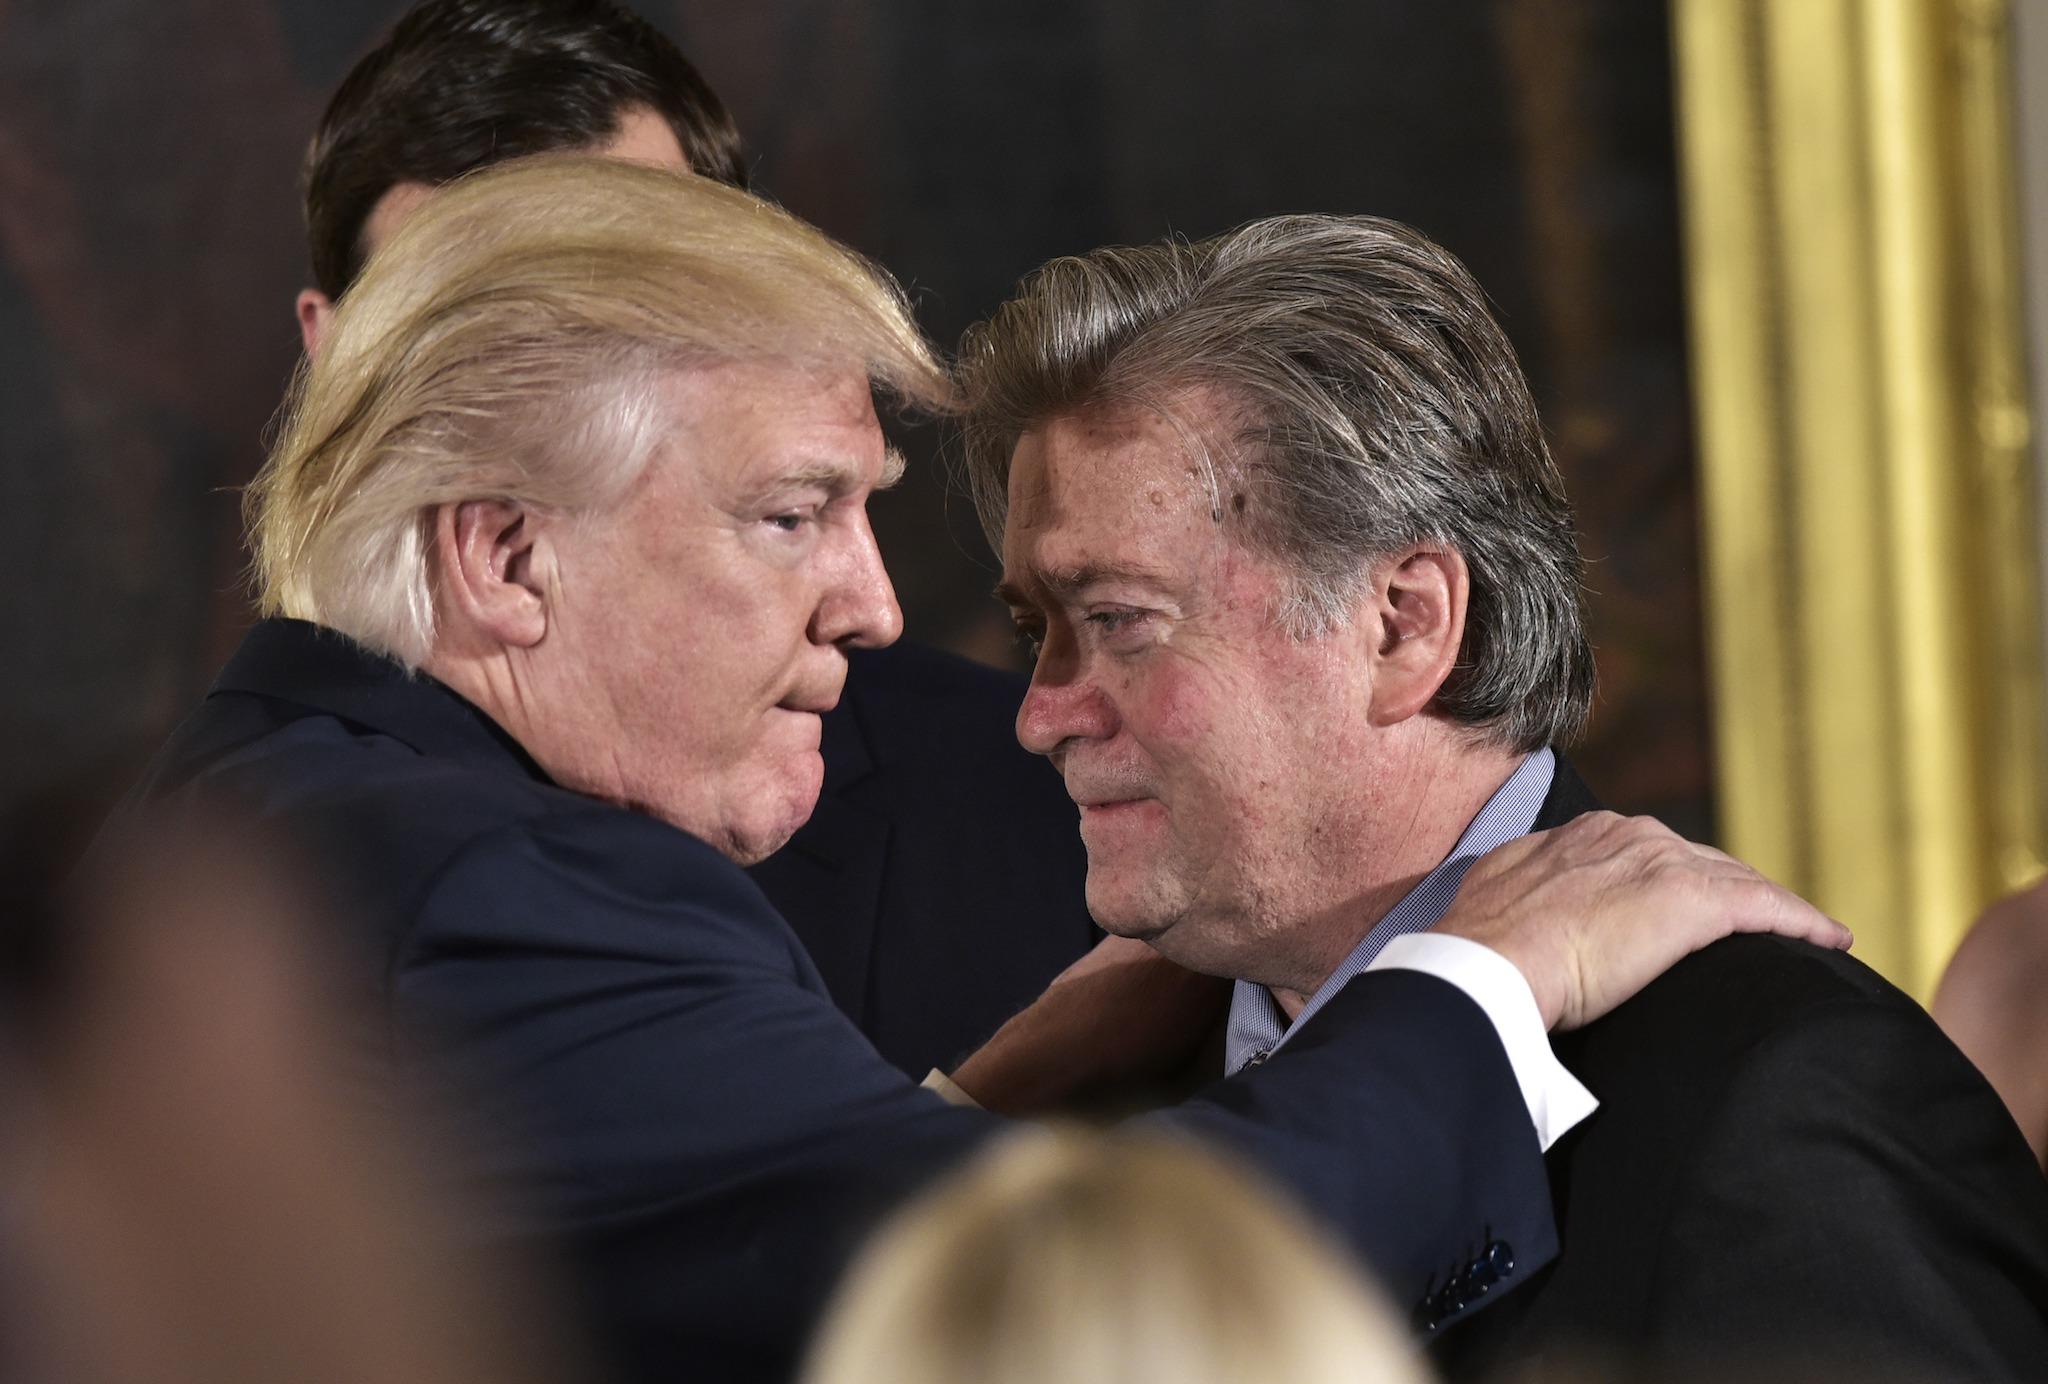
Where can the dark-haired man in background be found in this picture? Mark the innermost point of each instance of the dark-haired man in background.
(938, 885)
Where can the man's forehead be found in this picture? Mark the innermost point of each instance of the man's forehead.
(645, 136)
(766, 425)
(1094, 501)
(1104, 471)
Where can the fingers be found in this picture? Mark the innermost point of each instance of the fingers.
(1592, 911)
(1778, 910)
(1755, 904)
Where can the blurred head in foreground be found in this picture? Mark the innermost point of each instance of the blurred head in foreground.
(198, 1185)
(1090, 1259)
(591, 443)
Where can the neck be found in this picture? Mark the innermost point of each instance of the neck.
(494, 683)
(1419, 815)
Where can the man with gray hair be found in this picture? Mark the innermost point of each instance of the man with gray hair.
(561, 547)
(1278, 513)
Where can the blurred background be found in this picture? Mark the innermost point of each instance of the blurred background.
(1764, 261)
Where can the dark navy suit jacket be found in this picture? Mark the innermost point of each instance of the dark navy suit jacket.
(940, 883)
(648, 1063)
(1790, 1162)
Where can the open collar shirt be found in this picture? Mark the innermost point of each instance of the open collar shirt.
(1257, 1027)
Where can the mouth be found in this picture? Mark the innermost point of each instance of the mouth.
(1112, 807)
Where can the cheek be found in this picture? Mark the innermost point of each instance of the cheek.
(1170, 713)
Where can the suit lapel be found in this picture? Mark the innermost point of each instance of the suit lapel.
(827, 882)
(1568, 797)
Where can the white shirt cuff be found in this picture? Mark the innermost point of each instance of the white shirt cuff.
(948, 1090)
(1556, 1099)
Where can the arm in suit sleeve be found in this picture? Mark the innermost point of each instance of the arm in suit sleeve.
(715, 1136)
(1884, 1206)
(1395, 1119)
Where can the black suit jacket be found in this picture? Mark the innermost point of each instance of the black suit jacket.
(649, 1068)
(940, 883)
(1790, 1162)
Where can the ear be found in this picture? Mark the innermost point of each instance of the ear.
(315, 311)
(1419, 598)
(492, 559)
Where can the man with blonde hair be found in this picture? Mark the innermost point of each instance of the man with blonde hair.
(561, 548)
(1280, 516)
(930, 812)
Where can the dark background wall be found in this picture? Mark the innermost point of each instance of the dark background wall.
(150, 245)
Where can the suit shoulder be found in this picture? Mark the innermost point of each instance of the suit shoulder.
(403, 839)
(1741, 1001)
(594, 877)
(1766, 979)
(377, 797)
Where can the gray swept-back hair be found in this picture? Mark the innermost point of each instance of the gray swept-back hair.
(1376, 404)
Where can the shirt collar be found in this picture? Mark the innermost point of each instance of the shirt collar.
(1257, 1027)
(313, 666)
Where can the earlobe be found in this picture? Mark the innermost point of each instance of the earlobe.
(491, 556)
(1419, 599)
(315, 312)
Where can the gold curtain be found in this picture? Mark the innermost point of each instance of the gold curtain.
(1859, 384)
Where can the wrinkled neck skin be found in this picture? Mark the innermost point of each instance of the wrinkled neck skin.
(564, 728)
(1432, 781)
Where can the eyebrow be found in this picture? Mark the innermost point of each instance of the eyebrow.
(1065, 581)
(835, 478)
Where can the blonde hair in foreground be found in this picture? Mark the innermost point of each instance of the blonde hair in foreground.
(510, 342)
(1086, 1259)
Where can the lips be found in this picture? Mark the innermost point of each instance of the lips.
(814, 706)
(1106, 791)
(819, 697)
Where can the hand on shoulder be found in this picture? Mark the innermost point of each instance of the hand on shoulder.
(1592, 911)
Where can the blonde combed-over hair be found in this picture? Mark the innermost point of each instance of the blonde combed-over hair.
(1069, 1257)
(509, 343)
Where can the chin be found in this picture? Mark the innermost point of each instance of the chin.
(795, 797)
(751, 850)
(1120, 915)
(747, 823)
(1172, 927)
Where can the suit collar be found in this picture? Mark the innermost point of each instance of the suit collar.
(1568, 797)
(827, 881)
(312, 666)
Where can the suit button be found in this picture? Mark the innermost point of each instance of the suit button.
(1499, 1259)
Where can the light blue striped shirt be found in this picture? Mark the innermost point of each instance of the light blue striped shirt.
(1257, 1027)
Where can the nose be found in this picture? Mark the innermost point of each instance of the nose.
(859, 607)
(1062, 706)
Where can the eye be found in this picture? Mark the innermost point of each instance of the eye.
(791, 521)
(1031, 638)
(1113, 620)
